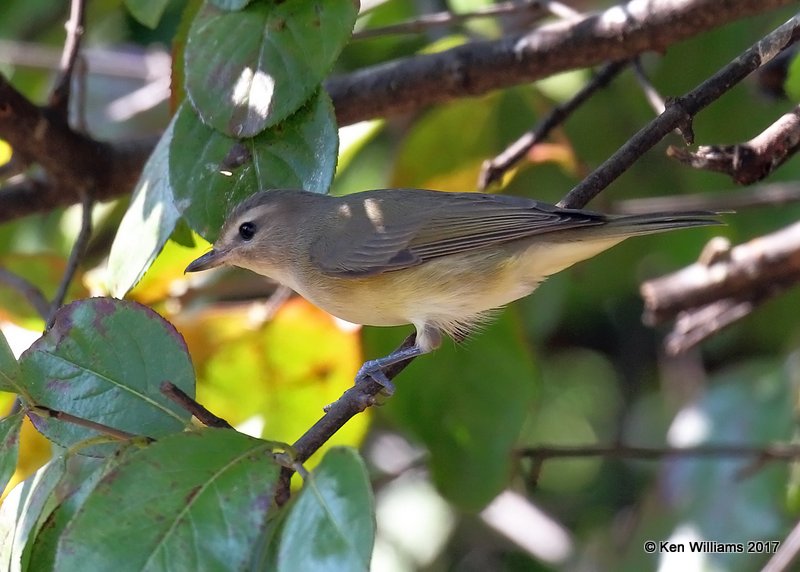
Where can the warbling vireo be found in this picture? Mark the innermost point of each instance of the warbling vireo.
(440, 261)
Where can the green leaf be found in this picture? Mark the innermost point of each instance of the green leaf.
(79, 479)
(147, 224)
(23, 511)
(210, 173)
(9, 367)
(9, 445)
(147, 12)
(467, 403)
(105, 360)
(191, 501)
(332, 524)
(249, 70)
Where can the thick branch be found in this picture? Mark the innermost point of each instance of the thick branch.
(724, 286)
(753, 160)
(679, 112)
(75, 164)
(618, 33)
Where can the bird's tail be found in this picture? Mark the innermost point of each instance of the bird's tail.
(634, 225)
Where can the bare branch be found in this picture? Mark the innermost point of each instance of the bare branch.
(777, 451)
(787, 553)
(176, 394)
(352, 402)
(530, 10)
(74, 259)
(493, 170)
(678, 112)
(59, 99)
(725, 285)
(753, 160)
(75, 164)
(47, 412)
(621, 32)
(32, 294)
(773, 194)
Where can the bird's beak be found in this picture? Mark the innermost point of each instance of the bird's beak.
(210, 259)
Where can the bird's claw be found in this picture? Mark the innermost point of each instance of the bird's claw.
(372, 370)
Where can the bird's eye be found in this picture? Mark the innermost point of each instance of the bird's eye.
(247, 230)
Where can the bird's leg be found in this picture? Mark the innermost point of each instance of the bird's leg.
(427, 339)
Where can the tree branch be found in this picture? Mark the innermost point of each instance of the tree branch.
(75, 162)
(772, 194)
(529, 10)
(768, 452)
(59, 98)
(679, 112)
(351, 403)
(753, 160)
(180, 397)
(619, 33)
(30, 291)
(75, 256)
(494, 169)
(724, 286)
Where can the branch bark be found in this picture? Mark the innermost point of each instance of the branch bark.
(724, 286)
(752, 161)
(75, 163)
(619, 33)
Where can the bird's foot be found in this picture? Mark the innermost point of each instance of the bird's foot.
(373, 370)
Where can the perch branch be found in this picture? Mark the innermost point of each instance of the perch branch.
(352, 402)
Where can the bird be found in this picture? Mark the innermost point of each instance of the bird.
(440, 261)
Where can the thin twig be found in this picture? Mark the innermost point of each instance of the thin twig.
(47, 412)
(650, 93)
(787, 553)
(752, 160)
(620, 32)
(74, 258)
(679, 112)
(176, 394)
(494, 169)
(352, 402)
(32, 294)
(772, 194)
(532, 9)
(59, 98)
(775, 451)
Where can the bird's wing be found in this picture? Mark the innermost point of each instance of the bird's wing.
(460, 223)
